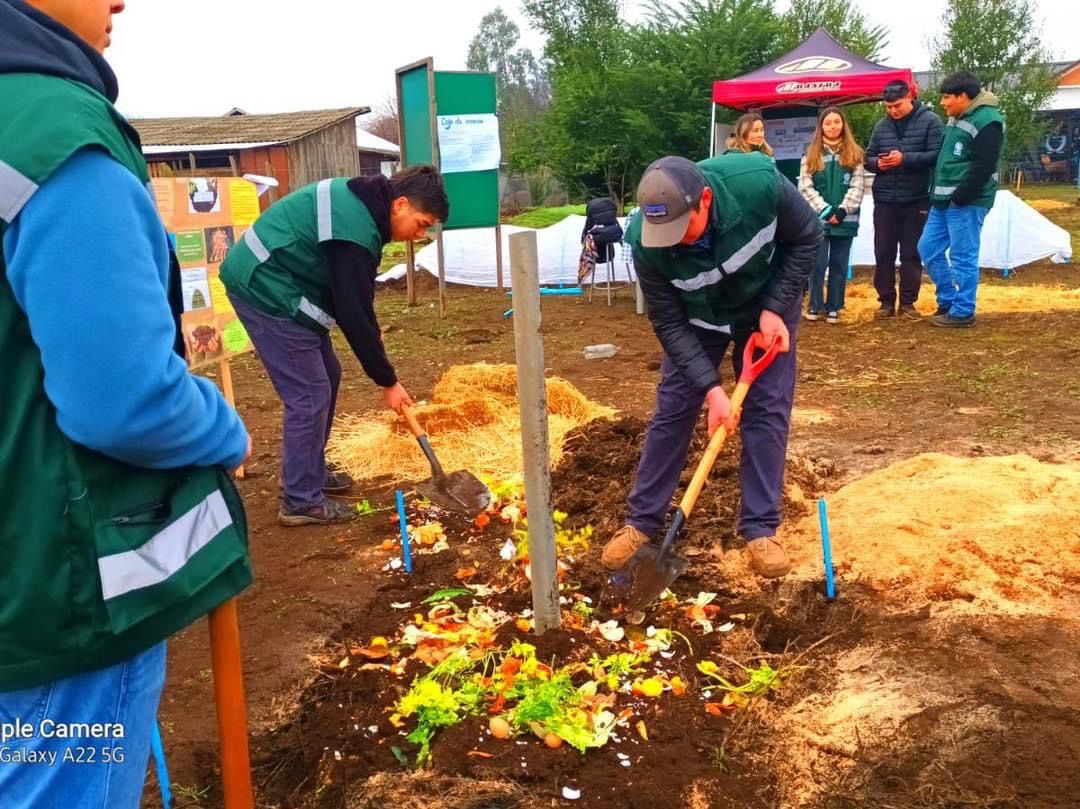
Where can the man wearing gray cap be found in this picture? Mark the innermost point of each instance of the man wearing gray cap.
(722, 248)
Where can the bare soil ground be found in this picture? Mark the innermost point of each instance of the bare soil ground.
(908, 701)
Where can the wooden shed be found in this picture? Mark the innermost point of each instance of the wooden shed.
(295, 148)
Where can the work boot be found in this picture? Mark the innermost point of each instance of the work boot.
(910, 312)
(622, 546)
(950, 322)
(767, 557)
(327, 512)
(885, 310)
(337, 481)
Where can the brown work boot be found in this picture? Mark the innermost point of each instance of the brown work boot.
(767, 557)
(622, 546)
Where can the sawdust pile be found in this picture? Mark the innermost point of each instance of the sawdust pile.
(427, 790)
(473, 423)
(1000, 534)
(861, 300)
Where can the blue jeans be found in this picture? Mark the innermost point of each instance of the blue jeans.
(764, 427)
(957, 229)
(306, 374)
(40, 771)
(835, 251)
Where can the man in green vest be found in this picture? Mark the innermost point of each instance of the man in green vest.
(121, 526)
(722, 248)
(308, 263)
(965, 185)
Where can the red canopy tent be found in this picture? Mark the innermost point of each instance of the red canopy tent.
(819, 72)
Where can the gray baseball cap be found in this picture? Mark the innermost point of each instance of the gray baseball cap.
(669, 191)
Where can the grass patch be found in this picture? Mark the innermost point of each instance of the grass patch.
(543, 217)
(1062, 192)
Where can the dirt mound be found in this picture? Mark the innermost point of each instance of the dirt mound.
(429, 790)
(1002, 533)
(474, 423)
(594, 479)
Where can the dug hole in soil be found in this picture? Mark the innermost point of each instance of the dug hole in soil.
(336, 750)
(945, 675)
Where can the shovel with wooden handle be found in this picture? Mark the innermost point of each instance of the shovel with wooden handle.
(651, 570)
(458, 491)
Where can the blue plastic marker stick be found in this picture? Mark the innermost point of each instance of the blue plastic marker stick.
(850, 271)
(823, 516)
(162, 770)
(406, 551)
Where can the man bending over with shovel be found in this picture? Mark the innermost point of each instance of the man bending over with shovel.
(722, 248)
(307, 264)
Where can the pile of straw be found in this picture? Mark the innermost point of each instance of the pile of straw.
(861, 300)
(473, 423)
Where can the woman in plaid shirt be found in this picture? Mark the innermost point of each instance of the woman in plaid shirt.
(832, 180)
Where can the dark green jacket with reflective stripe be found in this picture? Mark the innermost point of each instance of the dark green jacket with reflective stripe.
(99, 560)
(833, 183)
(280, 267)
(957, 151)
(722, 289)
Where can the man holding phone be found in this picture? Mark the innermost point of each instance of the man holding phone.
(902, 152)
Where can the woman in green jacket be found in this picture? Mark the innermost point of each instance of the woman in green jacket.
(748, 135)
(832, 180)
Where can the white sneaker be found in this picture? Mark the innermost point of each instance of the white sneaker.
(833, 317)
(812, 316)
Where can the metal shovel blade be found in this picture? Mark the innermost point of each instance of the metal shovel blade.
(653, 571)
(459, 491)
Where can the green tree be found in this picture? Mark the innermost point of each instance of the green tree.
(520, 84)
(999, 41)
(844, 21)
(677, 54)
(581, 136)
(495, 49)
(851, 28)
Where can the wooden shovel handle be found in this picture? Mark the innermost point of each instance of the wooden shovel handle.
(750, 371)
(414, 425)
(231, 707)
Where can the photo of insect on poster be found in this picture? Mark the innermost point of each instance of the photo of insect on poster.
(204, 217)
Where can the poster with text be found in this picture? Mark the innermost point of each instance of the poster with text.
(206, 216)
(789, 137)
(468, 143)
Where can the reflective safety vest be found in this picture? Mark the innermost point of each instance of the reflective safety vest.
(280, 267)
(957, 151)
(721, 288)
(99, 560)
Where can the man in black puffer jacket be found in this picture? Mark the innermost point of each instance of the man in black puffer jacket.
(902, 152)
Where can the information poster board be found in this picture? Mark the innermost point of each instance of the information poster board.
(789, 137)
(205, 216)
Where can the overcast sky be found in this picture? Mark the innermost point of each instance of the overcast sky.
(202, 57)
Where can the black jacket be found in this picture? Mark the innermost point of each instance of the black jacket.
(798, 241)
(601, 220)
(920, 144)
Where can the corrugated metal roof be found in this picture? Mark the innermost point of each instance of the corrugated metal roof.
(282, 127)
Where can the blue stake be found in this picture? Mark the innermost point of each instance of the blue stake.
(830, 586)
(162, 770)
(850, 271)
(406, 551)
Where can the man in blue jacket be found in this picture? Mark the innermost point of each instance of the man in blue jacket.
(121, 525)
